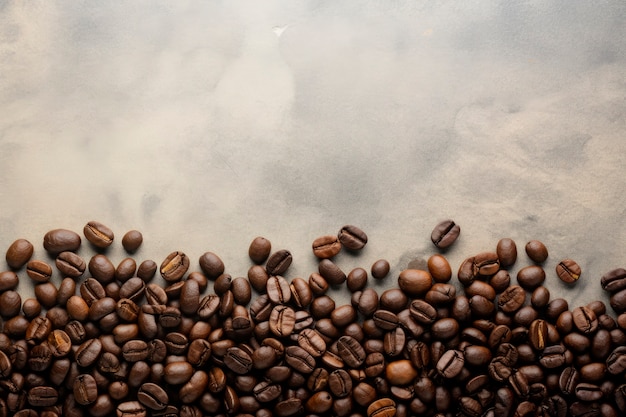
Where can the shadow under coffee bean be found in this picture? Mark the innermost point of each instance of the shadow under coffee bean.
(109, 341)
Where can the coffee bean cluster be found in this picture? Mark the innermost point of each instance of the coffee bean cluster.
(110, 341)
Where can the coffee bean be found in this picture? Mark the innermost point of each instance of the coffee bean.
(450, 364)
(585, 320)
(153, 396)
(380, 269)
(352, 237)
(445, 234)
(85, 389)
(282, 320)
(299, 359)
(146, 270)
(351, 351)
(259, 249)
(278, 262)
(39, 271)
(19, 253)
(60, 240)
(331, 272)
(278, 290)
(530, 277)
(132, 240)
(98, 234)
(512, 299)
(8, 280)
(70, 264)
(174, 266)
(325, 247)
(536, 251)
(414, 282)
(301, 292)
(568, 271)
(242, 292)
(439, 268)
(125, 270)
(211, 265)
(507, 252)
(42, 396)
(190, 297)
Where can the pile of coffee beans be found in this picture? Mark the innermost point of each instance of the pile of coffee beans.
(114, 341)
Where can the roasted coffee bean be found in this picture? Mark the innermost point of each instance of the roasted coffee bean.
(70, 264)
(10, 304)
(85, 389)
(319, 403)
(98, 234)
(614, 280)
(325, 247)
(312, 342)
(147, 269)
(352, 237)
(132, 240)
(8, 280)
(177, 373)
(439, 268)
(585, 320)
(299, 359)
(259, 249)
(60, 240)
(536, 251)
(423, 312)
(42, 396)
(450, 364)
(351, 351)
(507, 252)
(415, 282)
(530, 277)
(18, 253)
(282, 320)
(445, 234)
(512, 299)
(485, 264)
(152, 396)
(174, 266)
(380, 269)
(331, 272)
(278, 262)
(568, 271)
(278, 290)
(356, 279)
(38, 271)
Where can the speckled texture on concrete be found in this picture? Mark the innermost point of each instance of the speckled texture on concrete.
(205, 124)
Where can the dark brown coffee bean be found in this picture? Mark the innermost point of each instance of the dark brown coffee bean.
(133, 289)
(238, 360)
(312, 342)
(325, 247)
(190, 297)
(568, 271)
(258, 276)
(18, 253)
(46, 294)
(39, 271)
(585, 320)
(125, 270)
(331, 272)
(132, 240)
(512, 299)
(131, 409)
(147, 269)
(530, 277)
(450, 364)
(352, 237)
(10, 304)
(42, 396)
(614, 280)
(385, 319)
(177, 373)
(70, 264)
(445, 234)
(174, 266)
(278, 290)
(380, 269)
(288, 407)
(8, 280)
(259, 249)
(85, 389)
(351, 351)
(364, 394)
(423, 312)
(152, 396)
(299, 359)
(278, 262)
(98, 234)
(383, 407)
(60, 240)
(507, 252)
(536, 251)
(480, 288)
(242, 292)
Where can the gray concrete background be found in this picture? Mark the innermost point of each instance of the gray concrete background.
(205, 124)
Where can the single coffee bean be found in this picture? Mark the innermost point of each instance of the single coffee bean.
(174, 266)
(278, 262)
(536, 251)
(278, 290)
(614, 280)
(441, 295)
(585, 320)
(507, 252)
(190, 297)
(282, 320)
(10, 304)
(39, 271)
(259, 249)
(450, 364)
(152, 396)
(439, 268)
(299, 359)
(500, 281)
(530, 277)
(61, 240)
(400, 372)
(178, 372)
(42, 396)
(98, 234)
(351, 351)
(70, 264)
(312, 342)
(8, 280)
(132, 240)
(380, 269)
(126, 269)
(352, 238)
(19, 253)
(512, 299)
(131, 409)
(212, 265)
(242, 292)
(60, 343)
(46, 294)
(301, 292)
(383, 407)
(386, 320)
(415, 282)
(540, 297)
(258, 276)
(325, 247)
(445, 234)
(423, 312)
(485, 264)
(85, 389)
(568, 271)
(147, 269)
(318, 284)
(331, 272)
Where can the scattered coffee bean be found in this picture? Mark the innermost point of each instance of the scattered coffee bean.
(536, 251)
(325, 247)
(98, 234)
(445, 234)
(352, 238)
(568, 271)
(60, 240)
(132, 240)
(19, 253)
